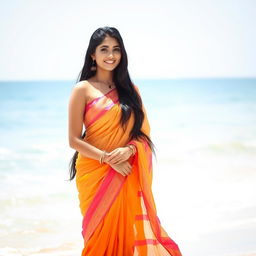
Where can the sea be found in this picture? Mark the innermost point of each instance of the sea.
(204, 171)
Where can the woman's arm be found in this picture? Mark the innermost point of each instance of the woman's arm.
(75, 123)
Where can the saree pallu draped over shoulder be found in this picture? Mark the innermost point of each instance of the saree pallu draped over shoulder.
(119, 212)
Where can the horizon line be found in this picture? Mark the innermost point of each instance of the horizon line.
(138, 78)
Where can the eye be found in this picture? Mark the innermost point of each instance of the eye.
(104, 49)
(117, 49)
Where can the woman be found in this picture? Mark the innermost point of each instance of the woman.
(113, 159)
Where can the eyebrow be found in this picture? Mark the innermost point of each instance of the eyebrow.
(107, 46)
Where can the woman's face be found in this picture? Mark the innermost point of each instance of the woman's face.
(107, 51)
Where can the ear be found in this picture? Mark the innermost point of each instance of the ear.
(93, 56)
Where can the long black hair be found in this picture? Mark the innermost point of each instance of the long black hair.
(129, 99)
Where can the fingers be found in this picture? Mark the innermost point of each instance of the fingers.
(118, 161)
(114, 160)
(127, 168)
(117, 156)
(112, 157)
(123, 168)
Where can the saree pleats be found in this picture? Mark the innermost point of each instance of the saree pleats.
(119, 212)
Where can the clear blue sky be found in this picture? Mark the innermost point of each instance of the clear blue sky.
(164, 39)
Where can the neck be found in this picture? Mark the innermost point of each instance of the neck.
(104, 75)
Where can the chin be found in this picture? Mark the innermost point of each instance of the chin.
(109, 68)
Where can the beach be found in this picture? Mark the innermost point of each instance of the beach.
(204, 175)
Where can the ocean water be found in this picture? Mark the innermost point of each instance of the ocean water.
(204, 174)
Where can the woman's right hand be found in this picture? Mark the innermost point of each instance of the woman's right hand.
(124, 168)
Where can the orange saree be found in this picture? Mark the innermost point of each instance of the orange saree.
(119, 212)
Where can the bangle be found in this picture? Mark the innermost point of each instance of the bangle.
(102, 156)
(135, 149)
(132, 148)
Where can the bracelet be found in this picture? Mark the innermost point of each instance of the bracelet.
(132, 148)
(102, 156)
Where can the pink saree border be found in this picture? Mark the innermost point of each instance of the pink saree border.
(155, 223)
(101, 113)
(141, 217)
(97, 210)
(93, 101)
(112, 182)
(145, 242)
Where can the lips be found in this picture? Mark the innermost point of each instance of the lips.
(109, 62)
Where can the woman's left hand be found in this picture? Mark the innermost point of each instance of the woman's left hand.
(118, 155)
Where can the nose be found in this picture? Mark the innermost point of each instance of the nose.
(110, 54)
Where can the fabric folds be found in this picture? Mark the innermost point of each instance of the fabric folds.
(119, 212)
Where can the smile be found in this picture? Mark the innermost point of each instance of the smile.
(109, 62)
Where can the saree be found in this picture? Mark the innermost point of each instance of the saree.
(119, 212)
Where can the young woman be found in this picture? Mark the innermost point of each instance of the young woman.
(113, 159)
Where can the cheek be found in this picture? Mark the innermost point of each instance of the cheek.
(101, 55)
(118, 56)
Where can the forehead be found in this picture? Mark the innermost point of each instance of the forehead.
(110, 41)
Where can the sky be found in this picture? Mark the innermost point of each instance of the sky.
(47, 40)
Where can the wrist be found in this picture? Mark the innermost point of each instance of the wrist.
(131, 149)
(102, 156)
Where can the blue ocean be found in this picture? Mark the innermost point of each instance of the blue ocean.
(204, 178)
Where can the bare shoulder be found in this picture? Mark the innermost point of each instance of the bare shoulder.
(81, 89)
(82, 86)
(78, 95)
